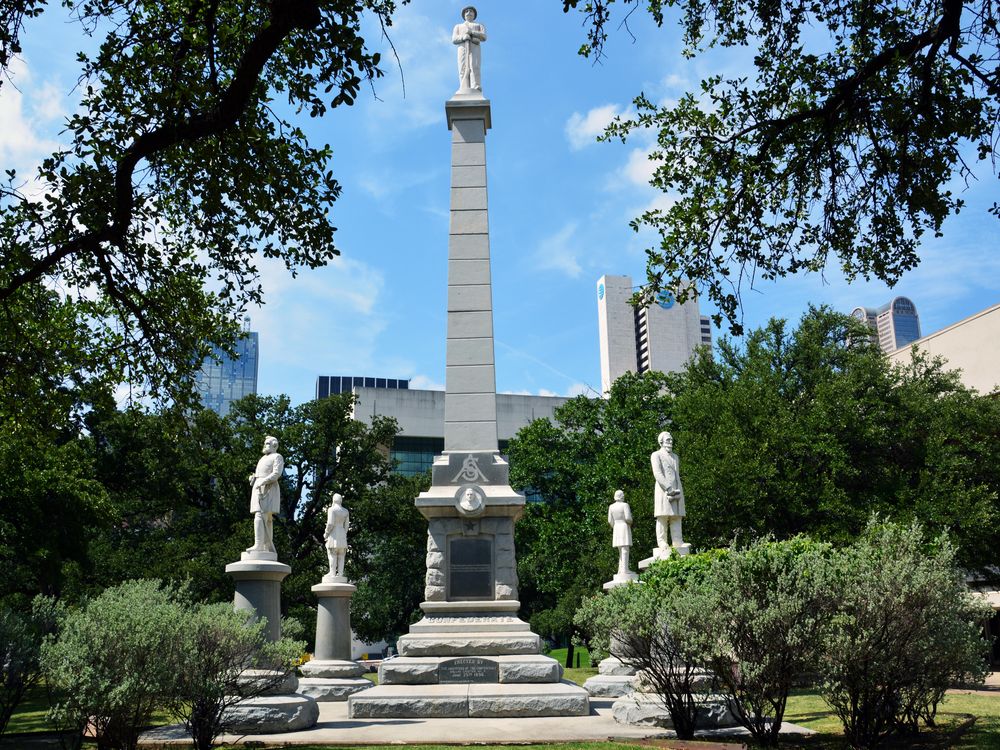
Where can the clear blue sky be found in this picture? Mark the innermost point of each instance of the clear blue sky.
(560, 203)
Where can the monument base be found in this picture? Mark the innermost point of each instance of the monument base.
(662, 554)
(531, 668)
(470, 701)
(646, 709)
(614, 679)
(620, 579)
(279, 709)
(325, 689)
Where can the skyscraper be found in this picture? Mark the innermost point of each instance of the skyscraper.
(662, 336)
(224, 379)
(894, 325)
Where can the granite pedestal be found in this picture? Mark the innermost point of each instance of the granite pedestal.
(331, 675)
(258, 577)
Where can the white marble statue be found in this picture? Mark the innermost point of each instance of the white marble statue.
(265, 496)
(468, 36)
(668, 504)
(620, 521)
(338, 522)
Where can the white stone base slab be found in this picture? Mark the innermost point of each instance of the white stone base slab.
(644, 709)
(469, 644)
(332, 668)
(332, 689)
(610, 685)
(614, 665)
(621, 579)
(470, 701)
(529, 668)
(271, 714)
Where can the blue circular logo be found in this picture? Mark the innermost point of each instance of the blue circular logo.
(600, 291)
(665, 299)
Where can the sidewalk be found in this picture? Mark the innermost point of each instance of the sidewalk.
(335, 728)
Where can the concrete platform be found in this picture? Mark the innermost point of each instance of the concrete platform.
(335, 728)
(481, 700)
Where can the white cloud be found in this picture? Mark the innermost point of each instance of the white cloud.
(27, 109)
(427, 60)
(639, 168)
(424, 383)
(322, 320)
(582, 130)
(558, 252)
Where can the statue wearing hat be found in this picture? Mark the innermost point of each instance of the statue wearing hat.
(468, 35)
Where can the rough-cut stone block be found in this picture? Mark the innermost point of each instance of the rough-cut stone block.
(435, 559)
(469, 222)
(332, 689)
(406, 702)
(561, 699)
(521, 669)
(468, 177)
(468, 131)
(644, 709)
(468, 154)
(610, 685)
(469, 247)
(269, 681)
(459, 644)
(470, 436)
(271, 714)
(470, 297)
(462, 272)
(331, 668)
(470, 324)
(615, 666)
(475, 407)
(403, 671)
(470, 352)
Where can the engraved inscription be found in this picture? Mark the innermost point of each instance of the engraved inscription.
(470, 568)
(468, 669)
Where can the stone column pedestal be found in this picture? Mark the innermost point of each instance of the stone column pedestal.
(662, 554)
(258, 577)
(258, 587)
(331, 675)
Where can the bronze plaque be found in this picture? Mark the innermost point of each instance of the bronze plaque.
(468, 669)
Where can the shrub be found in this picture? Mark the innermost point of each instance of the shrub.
(117, 661)
(906, 629)
(21, 636)
(645, 626)
(764, 610)
(218, 645)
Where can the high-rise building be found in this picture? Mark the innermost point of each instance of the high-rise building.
(224, 379)
(662, 336)
(894, 325)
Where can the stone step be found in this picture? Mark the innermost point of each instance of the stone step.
(469, 644)
(332, 688)
(528, 668)
(469, 701)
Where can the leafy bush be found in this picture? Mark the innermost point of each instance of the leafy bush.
(764, 610)
(21, 636)
(117, 661)
(906, 629)
(646, 626)
(218, 645)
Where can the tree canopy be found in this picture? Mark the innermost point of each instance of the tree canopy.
(802, 429)
(136, 244)
(846, 141)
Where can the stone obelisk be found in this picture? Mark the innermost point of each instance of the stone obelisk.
(470, 655)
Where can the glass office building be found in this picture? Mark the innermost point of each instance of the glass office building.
(894, 325)
(224, 379)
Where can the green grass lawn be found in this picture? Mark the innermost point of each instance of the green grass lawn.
(806, 708)
(559, 654)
